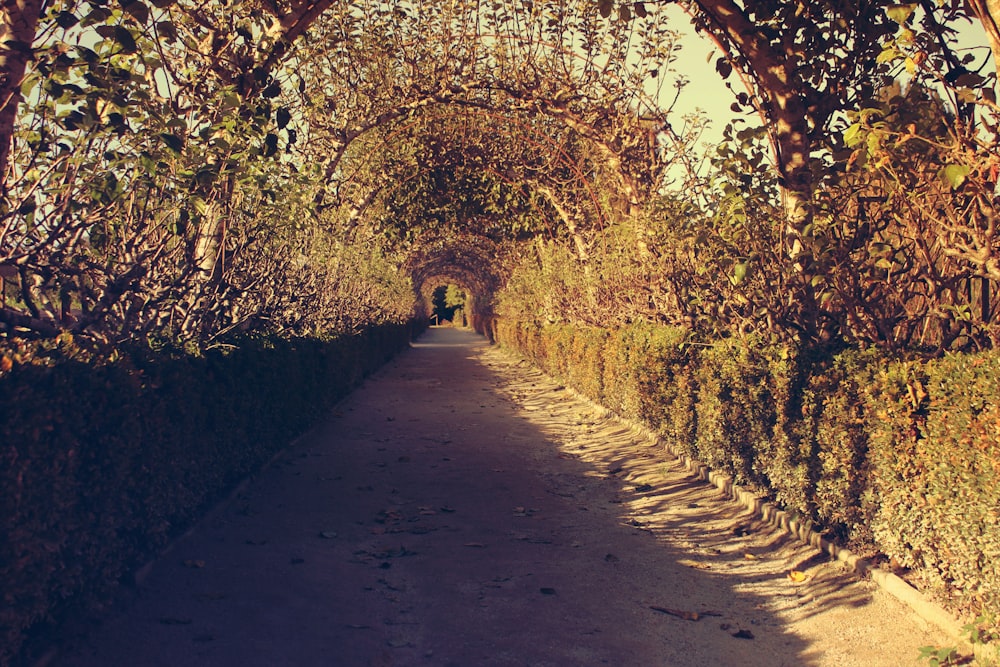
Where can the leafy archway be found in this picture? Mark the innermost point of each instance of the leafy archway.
(185, 170)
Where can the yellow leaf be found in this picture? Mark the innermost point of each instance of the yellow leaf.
(797, 577)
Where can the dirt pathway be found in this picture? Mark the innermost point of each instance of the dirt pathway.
(461, 510)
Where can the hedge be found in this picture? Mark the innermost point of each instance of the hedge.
(104, 460)
(892, 457)
(935, 433)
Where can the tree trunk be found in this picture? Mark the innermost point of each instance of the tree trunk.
(18, 24)
(787, 112)
(988, 13)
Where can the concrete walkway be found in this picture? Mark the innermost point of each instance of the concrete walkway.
(460, 510)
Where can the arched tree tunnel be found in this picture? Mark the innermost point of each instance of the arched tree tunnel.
(310, 147)
(183, 179)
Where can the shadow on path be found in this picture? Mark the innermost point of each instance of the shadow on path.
(459, 509)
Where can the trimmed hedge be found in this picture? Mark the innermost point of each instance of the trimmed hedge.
(935, 433)
(893, 457)
(103, 461)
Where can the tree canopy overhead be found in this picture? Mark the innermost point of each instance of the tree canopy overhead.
(189, 170)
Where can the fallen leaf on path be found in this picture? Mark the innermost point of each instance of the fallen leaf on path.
(447, 509)
(750, 556)
(194, 564)
(328, 534)
(743, 634)
(643, 488)
(797, 577)
(679, 613)
(547, 591)
(687, 562)
(476, 545)
(611, 558)
(388, 515)
(398, 643)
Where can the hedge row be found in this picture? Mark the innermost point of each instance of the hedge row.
(891, 457)
(103, 461)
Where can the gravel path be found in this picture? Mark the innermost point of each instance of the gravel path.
(460, 509)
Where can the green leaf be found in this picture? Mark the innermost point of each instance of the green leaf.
(137, 10)
(900, 13)
(173, 142)
(888, 54)
(723, 67)
(125, 39)
(282, 117)
(270, 145)
(167, 30)
(98, 15)
(954, 175)
(66, 20)
(29, 83)
(740, 273)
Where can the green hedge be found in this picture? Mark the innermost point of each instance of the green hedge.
(893, 457)
(104, 460)
(935, 433)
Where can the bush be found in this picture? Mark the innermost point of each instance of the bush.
(736, 413)
(936, 456)
(104, 460)
(835, 431)
(664, 372)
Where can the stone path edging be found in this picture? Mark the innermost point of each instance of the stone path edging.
(890, 583)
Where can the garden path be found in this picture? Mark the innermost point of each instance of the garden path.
(461, 509)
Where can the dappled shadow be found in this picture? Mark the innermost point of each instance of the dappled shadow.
(461, 509)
